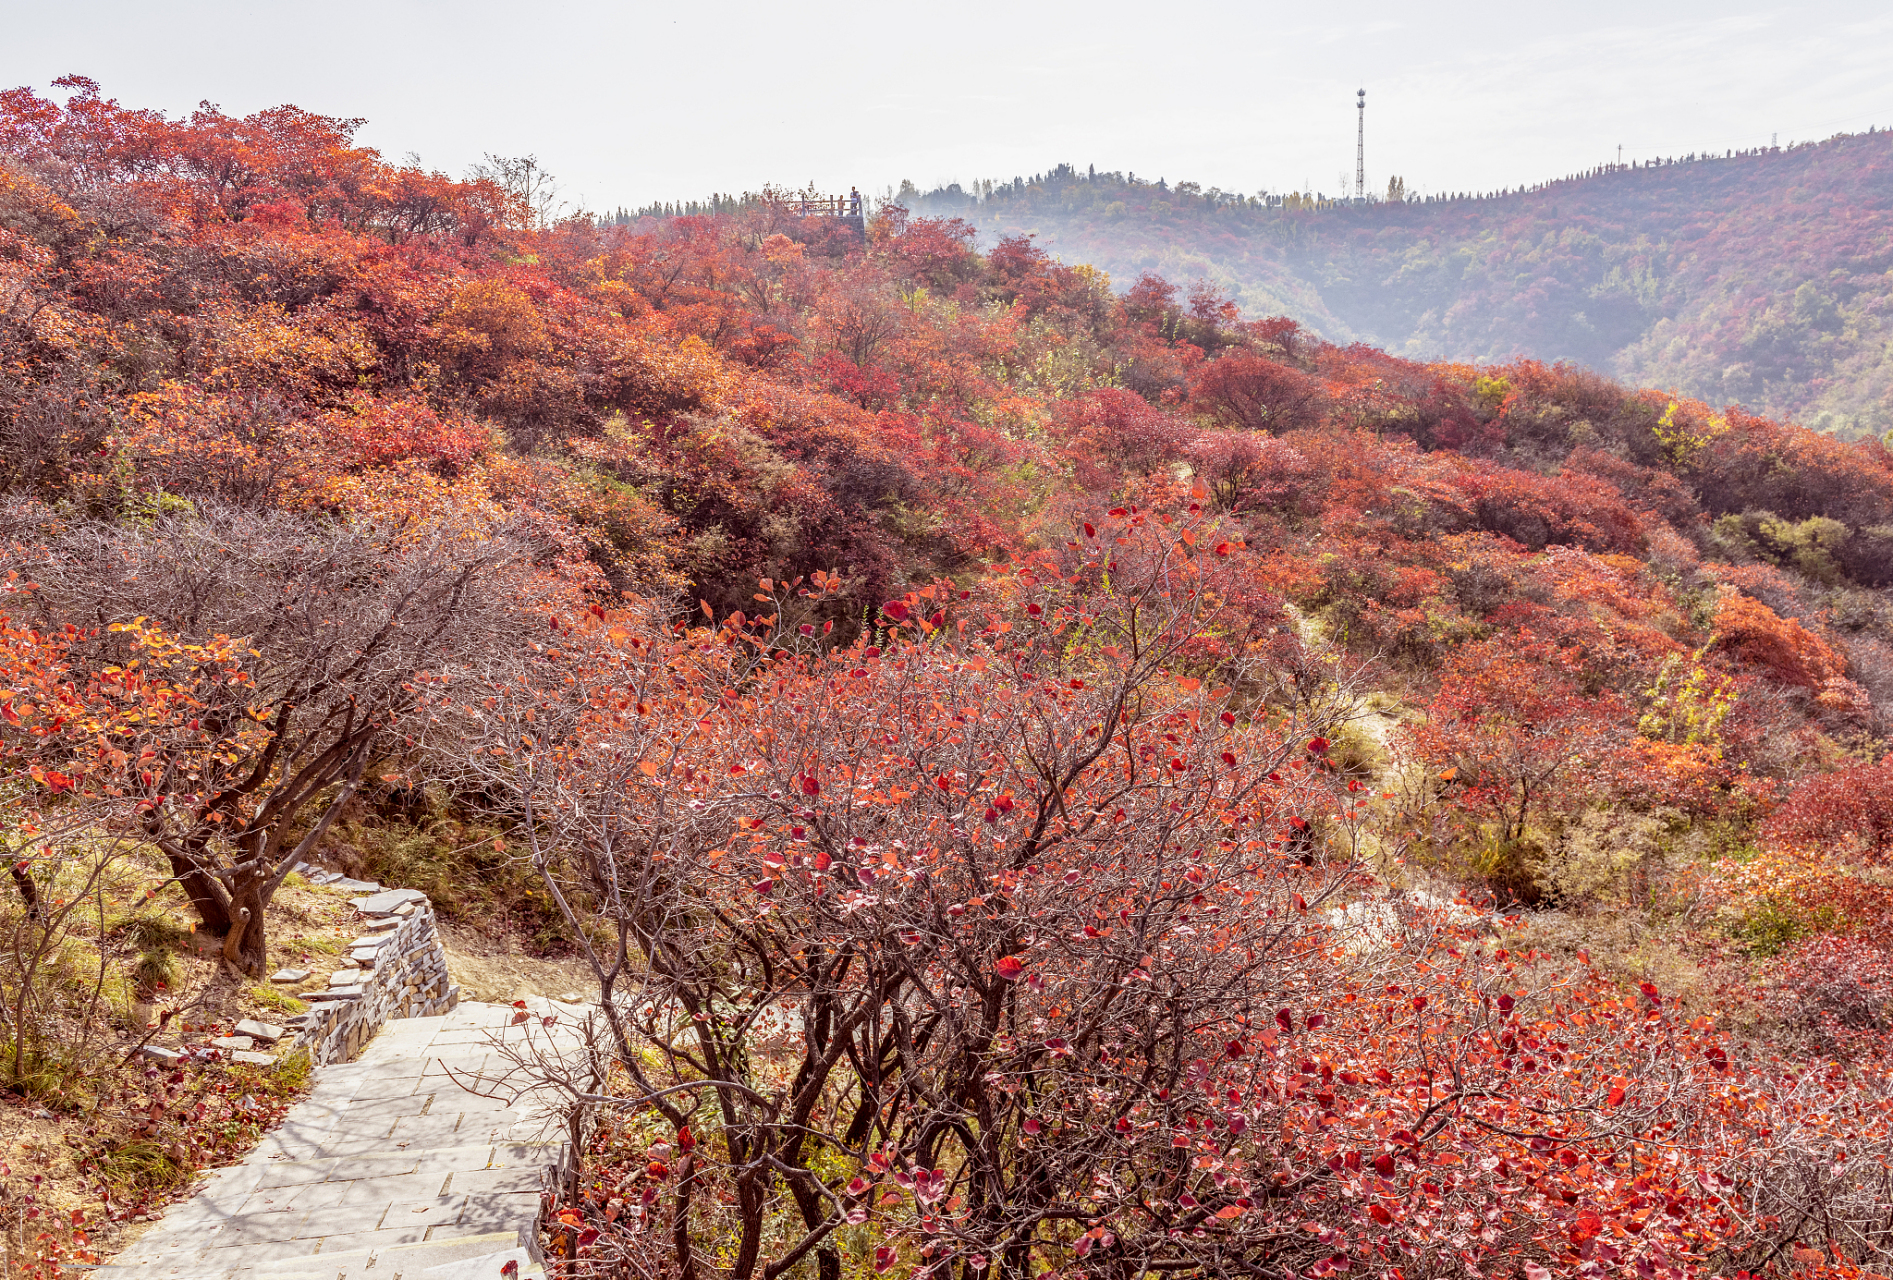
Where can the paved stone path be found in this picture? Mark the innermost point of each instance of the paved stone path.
(394, 1165)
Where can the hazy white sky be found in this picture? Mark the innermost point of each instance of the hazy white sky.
(632, 101)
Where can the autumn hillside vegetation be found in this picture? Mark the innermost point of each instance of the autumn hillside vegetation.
(1053, 775)
(1762, 277)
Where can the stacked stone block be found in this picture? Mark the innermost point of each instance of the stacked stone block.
(403, 974)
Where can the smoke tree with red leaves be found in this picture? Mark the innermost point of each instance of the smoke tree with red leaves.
(1255, 393)
(911, 904)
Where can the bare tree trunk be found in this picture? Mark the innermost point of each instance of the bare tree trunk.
(29, 889)
(246, 946)
(206, 898)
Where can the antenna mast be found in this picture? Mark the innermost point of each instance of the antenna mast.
(1360, 146)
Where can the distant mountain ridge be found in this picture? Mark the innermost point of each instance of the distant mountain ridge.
(1764, 279)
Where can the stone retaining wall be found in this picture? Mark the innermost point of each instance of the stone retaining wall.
(403, 975)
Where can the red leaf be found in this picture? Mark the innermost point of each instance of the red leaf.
(1318, 746)
(1233, 1049)
(810, 787)
(1381, 1216)
(1383, 1165)
(1286, 1020)
(1089, 531)
(896, 610)
(1010, 968)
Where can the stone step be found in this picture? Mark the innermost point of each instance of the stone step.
(394, 1165)
(403, 1261)
(471, 1257)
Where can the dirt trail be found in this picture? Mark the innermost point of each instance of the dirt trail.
(1376, 713)
(488, 968)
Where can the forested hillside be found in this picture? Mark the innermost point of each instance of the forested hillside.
(1764, 279)
(1054, 777)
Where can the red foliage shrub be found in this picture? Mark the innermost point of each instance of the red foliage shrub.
(1149, 298)
(1835, 810)
(1110, 435)
(937, 251)
(1786, 649)
(1246, 471)
(1252, 393)
(1834, 995)
(1536, 511)
(1276, 331)
(869, 387)
(382, 432)
(1644, 488)
(1758, 464)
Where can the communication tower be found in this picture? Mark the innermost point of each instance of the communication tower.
(1360, 145)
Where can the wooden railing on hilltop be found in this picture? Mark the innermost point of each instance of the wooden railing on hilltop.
(826, 206)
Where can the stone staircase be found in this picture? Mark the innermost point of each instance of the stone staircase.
(394, 1167)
